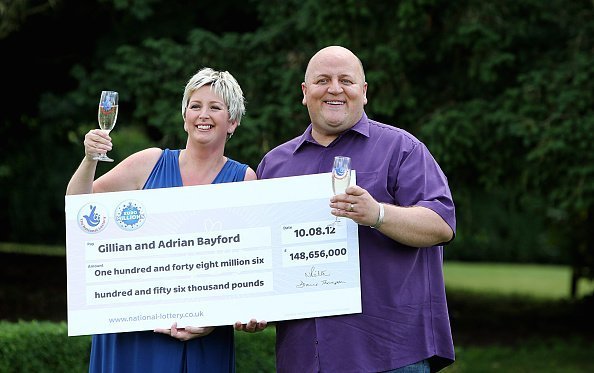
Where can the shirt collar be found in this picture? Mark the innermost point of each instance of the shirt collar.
(361, 127)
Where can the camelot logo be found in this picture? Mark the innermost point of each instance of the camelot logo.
(92, 218)
(130, 215)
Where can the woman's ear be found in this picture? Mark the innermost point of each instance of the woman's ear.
(184, 117)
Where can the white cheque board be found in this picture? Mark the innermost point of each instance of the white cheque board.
(208, 255)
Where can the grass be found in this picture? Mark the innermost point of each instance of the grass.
(19, 248)
(505, 317)
(519, 318)
(552, 355)
(533, 280)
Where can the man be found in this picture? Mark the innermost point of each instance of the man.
(405, 213)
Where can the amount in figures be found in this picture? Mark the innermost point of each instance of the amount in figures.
(315, 254)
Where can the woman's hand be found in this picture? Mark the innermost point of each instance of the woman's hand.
(96, 142)
(187, 333)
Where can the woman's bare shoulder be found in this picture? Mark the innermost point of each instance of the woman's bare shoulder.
(131, 173)
(149, 155)
(250, 174)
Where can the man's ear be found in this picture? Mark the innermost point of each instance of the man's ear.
(304, 90)
(365, 93)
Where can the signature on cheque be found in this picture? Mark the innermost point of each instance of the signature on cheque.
(315, 277)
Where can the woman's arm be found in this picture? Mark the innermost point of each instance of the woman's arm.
(129, 174)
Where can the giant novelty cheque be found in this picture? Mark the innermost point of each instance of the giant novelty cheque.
(208, 255)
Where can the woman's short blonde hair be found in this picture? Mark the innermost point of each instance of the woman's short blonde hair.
(221, 83)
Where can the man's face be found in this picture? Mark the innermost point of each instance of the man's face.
(334, 92)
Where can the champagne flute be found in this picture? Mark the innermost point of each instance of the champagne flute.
(341, 176)
(107, 116)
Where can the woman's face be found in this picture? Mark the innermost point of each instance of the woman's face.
(207, 117)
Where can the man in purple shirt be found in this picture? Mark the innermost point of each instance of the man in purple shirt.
(405, 212)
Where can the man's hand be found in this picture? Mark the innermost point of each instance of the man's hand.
(252, 326)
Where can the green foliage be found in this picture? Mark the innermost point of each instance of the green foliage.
(501, 92)
(41, 347)
(53, 351)
(493, 228)
(492, 333)
(141, 9)
(532, 355)
(532, 140)
(255, 352)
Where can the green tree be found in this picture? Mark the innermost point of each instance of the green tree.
(531, 138)
(500, 91)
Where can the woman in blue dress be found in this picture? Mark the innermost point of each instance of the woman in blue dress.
(212, 108)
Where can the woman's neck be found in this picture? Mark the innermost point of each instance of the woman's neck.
(200, 167)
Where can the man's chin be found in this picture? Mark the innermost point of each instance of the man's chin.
(333, 129)
(338, 126)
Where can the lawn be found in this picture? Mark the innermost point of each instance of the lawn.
(548, 355)
(505, 317)
(519, 318)
(533, 280)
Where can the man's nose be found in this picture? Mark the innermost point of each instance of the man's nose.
(335, 86)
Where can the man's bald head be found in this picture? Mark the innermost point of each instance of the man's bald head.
(334, 51)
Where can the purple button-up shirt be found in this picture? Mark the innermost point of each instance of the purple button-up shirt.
(404, 315)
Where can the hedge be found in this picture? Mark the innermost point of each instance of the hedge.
(41, 346)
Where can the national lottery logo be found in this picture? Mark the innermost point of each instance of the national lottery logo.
(130, 215)
(341, 172)
(92, 218)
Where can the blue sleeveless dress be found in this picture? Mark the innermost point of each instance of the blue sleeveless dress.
(146, 351)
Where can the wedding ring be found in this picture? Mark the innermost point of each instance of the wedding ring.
(351, 208)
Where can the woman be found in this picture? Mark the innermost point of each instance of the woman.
(212, 108)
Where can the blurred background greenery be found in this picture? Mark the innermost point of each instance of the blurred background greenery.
(501, 92)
